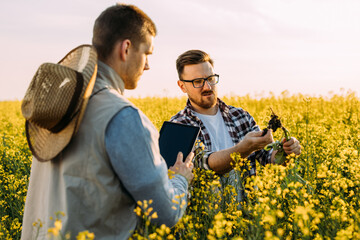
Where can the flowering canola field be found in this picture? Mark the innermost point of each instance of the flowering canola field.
(316, 196)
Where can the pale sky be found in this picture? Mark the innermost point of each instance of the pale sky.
(259, 46)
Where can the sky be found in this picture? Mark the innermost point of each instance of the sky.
(259, 47)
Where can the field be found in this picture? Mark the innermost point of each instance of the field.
(323, 206)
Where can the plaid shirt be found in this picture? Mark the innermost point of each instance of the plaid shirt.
(238, 122)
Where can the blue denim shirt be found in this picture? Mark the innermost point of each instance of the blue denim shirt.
(131, 142)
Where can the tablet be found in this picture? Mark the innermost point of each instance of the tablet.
(175, 138)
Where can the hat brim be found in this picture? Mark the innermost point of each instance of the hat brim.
(46, 145)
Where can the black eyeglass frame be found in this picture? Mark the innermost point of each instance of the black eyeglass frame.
(205, 80)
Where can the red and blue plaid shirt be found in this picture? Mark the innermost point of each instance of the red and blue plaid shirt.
(238, 122)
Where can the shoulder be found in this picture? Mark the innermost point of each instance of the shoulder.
(105, 100)
(238, 112)
(232, 111)
(240, 116)
(110, 95)
(131, 122)
(131, 115)
(126, 118)
(181, 117)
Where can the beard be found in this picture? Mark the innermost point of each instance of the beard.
(207, 102)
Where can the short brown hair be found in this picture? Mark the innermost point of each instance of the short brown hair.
(120, 22)
(192, 57)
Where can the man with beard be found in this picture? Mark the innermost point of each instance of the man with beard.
(224, 129)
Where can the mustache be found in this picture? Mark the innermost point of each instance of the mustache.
(207, 92)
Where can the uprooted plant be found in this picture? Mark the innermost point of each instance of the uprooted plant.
(274, 124)
(281, 156)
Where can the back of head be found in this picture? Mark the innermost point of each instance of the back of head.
(120, 22)
(192, 57)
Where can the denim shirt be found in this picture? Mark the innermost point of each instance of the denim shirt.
(141, 169)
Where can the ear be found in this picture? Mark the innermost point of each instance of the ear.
(124, 48)
(181, 84)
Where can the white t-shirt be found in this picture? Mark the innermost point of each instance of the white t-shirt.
(219, 134)
(220, 139)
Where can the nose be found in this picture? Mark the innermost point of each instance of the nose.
(207, 85)
(147, 66)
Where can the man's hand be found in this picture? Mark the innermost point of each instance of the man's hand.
(256, 142)
(184, 168)
(221, 161)
(291, 146)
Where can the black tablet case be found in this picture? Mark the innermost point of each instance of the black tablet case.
(175, 138)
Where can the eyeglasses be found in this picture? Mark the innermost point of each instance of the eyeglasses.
(199, 82)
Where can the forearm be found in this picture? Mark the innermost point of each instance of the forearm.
(220, 161)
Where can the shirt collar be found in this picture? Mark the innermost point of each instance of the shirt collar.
(223, 107)
(110, 78)
(189, 110)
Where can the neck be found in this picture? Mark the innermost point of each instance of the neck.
(206, 111)
(111, 62)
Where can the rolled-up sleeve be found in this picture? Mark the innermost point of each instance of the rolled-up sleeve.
(131, 142)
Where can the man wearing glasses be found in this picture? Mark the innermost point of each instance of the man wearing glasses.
(224, 129)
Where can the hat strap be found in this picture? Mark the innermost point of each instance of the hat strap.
(73, 103)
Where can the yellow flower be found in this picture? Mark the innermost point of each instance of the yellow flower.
(53, 231)
(58, 224)
(154, 215)
(171, 174)
(280, 231)
(138, 211)
(269, 218)
(280, 213)
(85, 235)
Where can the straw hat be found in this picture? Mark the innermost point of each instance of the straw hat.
(56, 100)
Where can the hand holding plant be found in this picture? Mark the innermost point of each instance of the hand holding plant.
(274, 124)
